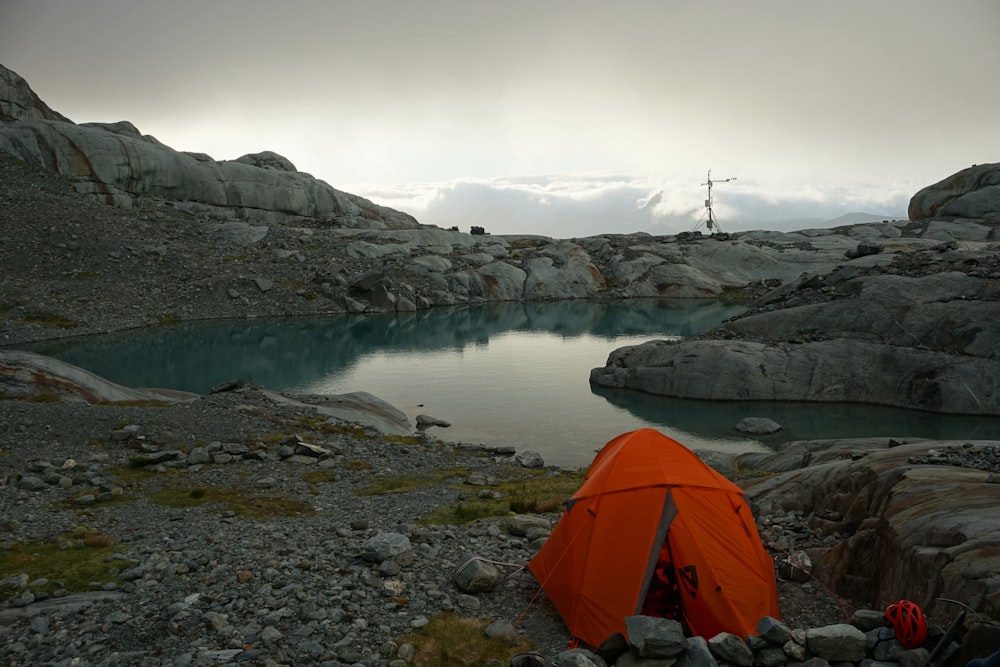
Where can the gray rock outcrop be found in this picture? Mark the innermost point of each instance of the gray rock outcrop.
(882, 502)
(118, 165)
(973, 192)
(37, 377)
(925, 342)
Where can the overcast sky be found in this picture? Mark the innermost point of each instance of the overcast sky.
(564, 118)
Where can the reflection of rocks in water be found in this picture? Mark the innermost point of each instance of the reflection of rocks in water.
(294, 352)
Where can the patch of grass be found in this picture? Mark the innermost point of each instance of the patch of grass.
(84, 275)
(72, 561)
(356, 466)
(114, 499)
(320, 476)
(133, 473)
(403, 439)
(325, 426)
(461, 642)
(525, 496)
(237, 500)
(44, 397)
(48, 320)
(740, 471)
(168, 318)
(274, 438)
(143, 403)
(405, 483)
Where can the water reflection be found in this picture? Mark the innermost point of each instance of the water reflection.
(716, 420)
(504, 374)
(288, 354)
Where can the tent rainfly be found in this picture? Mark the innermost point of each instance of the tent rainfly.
(655, 531)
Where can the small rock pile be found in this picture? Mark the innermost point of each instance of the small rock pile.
(967, 455)
(866, 641)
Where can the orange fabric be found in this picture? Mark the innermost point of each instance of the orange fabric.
(597, 564)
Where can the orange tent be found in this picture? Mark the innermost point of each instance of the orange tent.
(648, 506)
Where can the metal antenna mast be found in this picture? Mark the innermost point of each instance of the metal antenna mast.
(711, 223)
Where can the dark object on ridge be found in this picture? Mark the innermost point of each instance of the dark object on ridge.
(477, 231)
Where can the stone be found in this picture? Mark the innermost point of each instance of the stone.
(521, 524)
(730, 648)
(655, 637)
(697, 654)
(868, 619)
(198, 456)
(773, 630)
(837, 643)
(500, 630)
(476, 575)
(578, 657)
(758, 426)
(529, 459)
(385, 546)
(426, 421)
(31, 483)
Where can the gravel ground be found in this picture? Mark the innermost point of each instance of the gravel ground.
(201, 584)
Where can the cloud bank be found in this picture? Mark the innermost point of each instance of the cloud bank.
(578, 205)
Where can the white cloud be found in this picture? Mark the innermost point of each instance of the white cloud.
(565, 206)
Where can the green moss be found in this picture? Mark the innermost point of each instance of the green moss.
(137, 473)
(525, 496)
(320, 476)
(237, 500)
(73, 561)
(44, 397)
(168, 318)
(405, 483)
(48, 320)
(144, 403)
(458, 641)
(112, 499)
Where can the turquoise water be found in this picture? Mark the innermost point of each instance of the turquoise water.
(502, 374)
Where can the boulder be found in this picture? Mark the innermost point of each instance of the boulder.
(973, 192)
(837, 643)
(476, 575)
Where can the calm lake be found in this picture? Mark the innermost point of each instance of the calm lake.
(502, 374)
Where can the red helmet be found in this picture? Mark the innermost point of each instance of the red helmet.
(908, 621)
